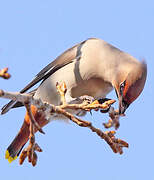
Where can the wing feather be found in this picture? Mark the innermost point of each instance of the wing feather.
(66, 58)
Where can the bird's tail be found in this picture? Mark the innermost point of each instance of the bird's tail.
(22, 137)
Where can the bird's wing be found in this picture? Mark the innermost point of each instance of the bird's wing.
(66, 58)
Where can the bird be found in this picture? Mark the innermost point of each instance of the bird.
(93, 68)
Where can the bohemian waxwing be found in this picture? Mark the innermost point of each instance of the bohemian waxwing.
(93, 68)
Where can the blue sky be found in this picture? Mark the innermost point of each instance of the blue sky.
(32, 34)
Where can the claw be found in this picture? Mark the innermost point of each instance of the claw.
(90, 99)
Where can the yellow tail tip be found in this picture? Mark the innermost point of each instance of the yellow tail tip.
(7, 156)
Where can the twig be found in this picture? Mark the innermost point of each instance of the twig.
(62, 90)
(114, 121)
(25, 153)
(30, 150)
(4, 73)
(32, 119)
(115, 144)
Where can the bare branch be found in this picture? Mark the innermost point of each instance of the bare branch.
(114, 121)
(28, 100)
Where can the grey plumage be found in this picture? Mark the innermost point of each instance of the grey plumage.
(92, 67)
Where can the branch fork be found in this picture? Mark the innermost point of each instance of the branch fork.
(109, 136)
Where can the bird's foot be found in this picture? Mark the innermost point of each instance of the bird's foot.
(86, 99)
(96, 105)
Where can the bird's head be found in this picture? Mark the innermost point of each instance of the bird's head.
(129, 85)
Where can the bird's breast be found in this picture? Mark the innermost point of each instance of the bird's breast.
(94, 87)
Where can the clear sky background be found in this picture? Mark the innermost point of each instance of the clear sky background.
(32, 34)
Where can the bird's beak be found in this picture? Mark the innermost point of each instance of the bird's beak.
(122, 106)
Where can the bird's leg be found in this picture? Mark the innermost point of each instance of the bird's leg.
(100, 101)
(86, 99)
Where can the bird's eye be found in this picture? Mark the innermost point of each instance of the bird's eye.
(122, 86)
